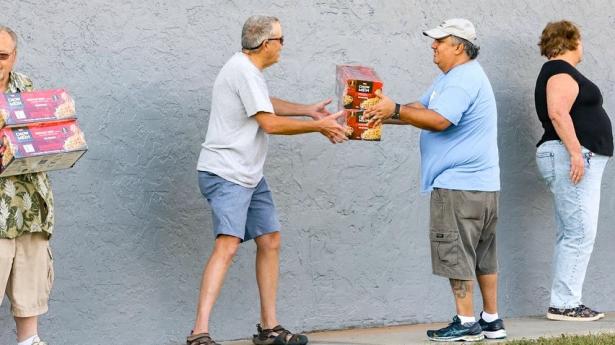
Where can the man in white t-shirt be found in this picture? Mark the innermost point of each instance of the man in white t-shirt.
(231, 173)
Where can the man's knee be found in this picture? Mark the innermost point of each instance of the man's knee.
(269, 242)
(226, 246)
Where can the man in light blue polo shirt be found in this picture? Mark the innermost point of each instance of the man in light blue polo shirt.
(465, 155)
(460, 167)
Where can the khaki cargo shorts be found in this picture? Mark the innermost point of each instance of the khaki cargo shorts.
(26, 273)
(462, 233)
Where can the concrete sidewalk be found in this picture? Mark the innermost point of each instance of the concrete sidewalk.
(527, 327)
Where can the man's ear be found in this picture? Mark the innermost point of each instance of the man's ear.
(460, 48)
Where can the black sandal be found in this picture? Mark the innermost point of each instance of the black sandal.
(278, 335)
(200, 339)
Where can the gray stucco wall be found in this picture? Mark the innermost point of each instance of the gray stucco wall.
(133, 231)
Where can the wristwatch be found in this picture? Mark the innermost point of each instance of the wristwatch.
(395, 115)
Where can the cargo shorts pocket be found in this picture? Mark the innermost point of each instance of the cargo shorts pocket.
(439, 213)
(445, 247)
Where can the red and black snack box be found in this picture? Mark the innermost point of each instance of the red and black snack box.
(357, 128)
(41, 147)
(356, 89)
(22, 108)
(357, 86)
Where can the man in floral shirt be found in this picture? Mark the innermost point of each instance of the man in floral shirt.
(26, 223)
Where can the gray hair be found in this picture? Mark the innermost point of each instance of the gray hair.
(470, 49)
(256, 30)
(10, 32)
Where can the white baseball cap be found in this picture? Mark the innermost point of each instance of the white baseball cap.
(459, 27)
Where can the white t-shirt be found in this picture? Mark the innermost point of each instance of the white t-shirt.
(235, 146)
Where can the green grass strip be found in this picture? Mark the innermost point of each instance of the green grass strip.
(601, 339)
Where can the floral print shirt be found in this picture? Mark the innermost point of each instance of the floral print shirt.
(26, 201)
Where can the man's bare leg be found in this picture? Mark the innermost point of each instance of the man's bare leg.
(463, 292)
(213, 279)
(26, 327)
(267, 273)
(488, 284)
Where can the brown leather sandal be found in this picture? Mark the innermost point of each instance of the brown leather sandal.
(200, 339)
(278, 335)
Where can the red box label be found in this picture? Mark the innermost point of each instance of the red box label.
(356, 91)
(44, 139)
(35, 106)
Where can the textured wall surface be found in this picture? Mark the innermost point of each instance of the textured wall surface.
(133, 231)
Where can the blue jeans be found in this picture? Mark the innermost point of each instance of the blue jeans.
(576, 218)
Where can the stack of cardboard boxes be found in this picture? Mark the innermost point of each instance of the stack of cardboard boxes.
(39, 131)
(356, 91)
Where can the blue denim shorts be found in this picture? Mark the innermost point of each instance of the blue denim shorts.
(238, 211)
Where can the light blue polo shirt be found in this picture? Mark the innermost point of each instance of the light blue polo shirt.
(465, 155)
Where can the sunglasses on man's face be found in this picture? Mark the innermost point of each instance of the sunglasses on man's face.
(6, 56)
(281, 39)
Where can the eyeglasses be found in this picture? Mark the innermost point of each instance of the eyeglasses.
(281, 39)
(6, 56)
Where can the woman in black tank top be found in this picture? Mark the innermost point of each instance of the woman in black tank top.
(571, 156)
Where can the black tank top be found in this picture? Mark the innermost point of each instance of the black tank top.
(591, 122)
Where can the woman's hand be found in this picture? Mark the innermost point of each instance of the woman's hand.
(577, 167)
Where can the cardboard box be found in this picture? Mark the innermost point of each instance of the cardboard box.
(41, 147)
(356, 85)
(17, 109)
(356, 89)
(357, 128)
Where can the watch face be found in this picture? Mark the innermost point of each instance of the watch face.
(396, 113)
